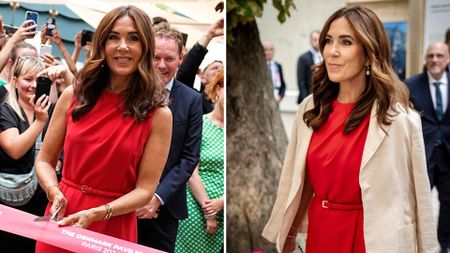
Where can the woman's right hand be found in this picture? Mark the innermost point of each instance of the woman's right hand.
(58, 199)
(290, 245)
(41, 108)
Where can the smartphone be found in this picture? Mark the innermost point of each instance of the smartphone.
(32, 15)
(86, 36)
(45, 49)
(42, 87)
(51, 25)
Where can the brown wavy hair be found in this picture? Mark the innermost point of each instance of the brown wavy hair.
(382, 85)
(146, 93)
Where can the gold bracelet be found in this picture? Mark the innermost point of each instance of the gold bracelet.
(108, 211)
(49, 189)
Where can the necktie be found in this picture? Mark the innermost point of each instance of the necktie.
(439, 108)
(269, 66)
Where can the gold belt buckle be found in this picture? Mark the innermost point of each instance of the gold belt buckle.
(324, 204)
(83, 188)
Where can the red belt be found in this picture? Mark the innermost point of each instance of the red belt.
(89, 190)
(326, 204)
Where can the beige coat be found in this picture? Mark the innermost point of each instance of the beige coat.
(394, 185)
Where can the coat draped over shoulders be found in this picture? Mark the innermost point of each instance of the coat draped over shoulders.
(394, 185)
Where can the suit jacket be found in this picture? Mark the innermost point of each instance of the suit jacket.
(304, 75)
(184, 154)
(188, 70)
(420, 96)
(282, 88)
(394, 186)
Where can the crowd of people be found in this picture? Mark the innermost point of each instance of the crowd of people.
(158, 134)
(366, 148)
(365, 151)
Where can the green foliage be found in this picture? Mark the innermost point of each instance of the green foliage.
(243, 11)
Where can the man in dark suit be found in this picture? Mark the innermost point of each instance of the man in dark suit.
(305, 64)
(429, 92)
(276, 72)
(158, 220)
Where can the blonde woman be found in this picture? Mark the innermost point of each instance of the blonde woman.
(21, 123)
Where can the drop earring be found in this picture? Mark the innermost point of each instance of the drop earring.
(367, 70)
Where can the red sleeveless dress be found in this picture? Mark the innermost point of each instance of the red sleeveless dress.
(102, 152)
(335, 214)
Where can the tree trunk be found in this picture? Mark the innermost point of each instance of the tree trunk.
(256, 142)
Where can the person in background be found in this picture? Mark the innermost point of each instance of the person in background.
(275, 71)
(354, 176)
(22, 121)
(78, 46)
(206, 75)
(158, 220)
(305, 66)
(3, 35)
(13, 48)
(56, 38)
(119, 92)
(429, 94)
(203, 230)
(189, 67)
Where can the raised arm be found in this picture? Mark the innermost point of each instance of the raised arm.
(77, 47)
(22, 33)
(188, 69)
(58, 41)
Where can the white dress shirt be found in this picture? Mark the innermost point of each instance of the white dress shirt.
(443, 87)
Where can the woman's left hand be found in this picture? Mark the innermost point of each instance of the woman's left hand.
(41, 108)
(81, 219)
(212, 206)
(211, 226)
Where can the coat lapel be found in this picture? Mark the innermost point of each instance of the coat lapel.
(375, 136)
(298, 177)
(446, 113)
(424, 87)
(173, 95)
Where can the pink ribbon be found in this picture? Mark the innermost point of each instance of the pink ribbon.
(69, 238)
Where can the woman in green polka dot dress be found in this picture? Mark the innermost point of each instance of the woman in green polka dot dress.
(203, 230)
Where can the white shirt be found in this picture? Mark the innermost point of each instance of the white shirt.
(276, 79)
(169, 85)
(317, 57)
(443, 87)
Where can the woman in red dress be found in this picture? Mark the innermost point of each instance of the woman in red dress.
(354, 176)
(116, 131)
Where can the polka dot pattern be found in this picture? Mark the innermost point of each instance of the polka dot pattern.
(192, 236)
